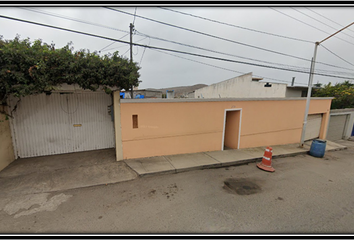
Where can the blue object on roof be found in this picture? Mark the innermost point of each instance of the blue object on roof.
(122, 95)
(140, 96)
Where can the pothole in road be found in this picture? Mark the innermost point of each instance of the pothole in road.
(241, 186)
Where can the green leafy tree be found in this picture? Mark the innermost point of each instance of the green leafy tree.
(343, 94)
(31, 68)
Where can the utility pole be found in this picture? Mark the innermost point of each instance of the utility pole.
(310, 85)
(131, 26)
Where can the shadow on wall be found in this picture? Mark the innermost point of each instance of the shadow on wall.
(6, 148)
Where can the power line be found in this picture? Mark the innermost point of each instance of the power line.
(227, 69)
(336, 55)
(210, 35)
(320, 22)
(308, 24)
(134, 15)
(143, 54)
(124, 46)
(112, 43)
(104, 26)
(228, 54)
(169, 50)
(232, 25)
(74, 19)
(125, 52)
(213, 36)
(329, 19)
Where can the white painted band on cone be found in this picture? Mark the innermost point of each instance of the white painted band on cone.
(266, 158)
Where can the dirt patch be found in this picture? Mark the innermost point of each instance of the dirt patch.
(241, 186)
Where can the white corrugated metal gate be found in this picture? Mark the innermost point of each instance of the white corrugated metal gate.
(313, 126)
(336, 127)
(62, 123)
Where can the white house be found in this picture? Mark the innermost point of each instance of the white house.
(244, 86)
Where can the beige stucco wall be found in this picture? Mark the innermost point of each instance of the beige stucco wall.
(168, 127)
(6, 147)
(240, 87)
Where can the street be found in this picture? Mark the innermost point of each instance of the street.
(304, 195)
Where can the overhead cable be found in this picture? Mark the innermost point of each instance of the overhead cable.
(222, 68)
(320, 22)
(328, 19)
(309, 25)
(233, 55)
(210, 35)
(213, 36)
(233, 25)
(116, 29)
(166, 49)
(336, 55)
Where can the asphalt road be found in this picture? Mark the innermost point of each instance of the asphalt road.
(304, 195)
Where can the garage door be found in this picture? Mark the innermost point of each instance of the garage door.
(336, 127)
(62, 123)
(313, 126)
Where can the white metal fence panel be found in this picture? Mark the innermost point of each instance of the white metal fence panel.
(313, 126)
(61, 123)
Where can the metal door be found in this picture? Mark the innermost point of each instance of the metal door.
(61, 123)
(313, 126)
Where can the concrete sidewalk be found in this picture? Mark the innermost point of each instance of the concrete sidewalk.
(92, 168)
(188, 162)
(62, 172)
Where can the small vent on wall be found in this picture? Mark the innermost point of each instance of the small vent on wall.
(135, 121)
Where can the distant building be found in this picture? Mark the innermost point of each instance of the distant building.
(244, 86)
(148, 93)
(170, 93)
(142, 93)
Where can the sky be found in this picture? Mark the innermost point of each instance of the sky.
(250, 39)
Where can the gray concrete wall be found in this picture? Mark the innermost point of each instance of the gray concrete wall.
(148, 94)
(293, 93)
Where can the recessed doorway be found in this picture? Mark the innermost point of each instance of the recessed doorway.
(232, 129)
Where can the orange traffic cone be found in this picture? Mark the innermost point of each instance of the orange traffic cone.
(266, 163)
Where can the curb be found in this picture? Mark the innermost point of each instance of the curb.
(228, 164)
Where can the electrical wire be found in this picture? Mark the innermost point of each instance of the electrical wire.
(112, 43)
(227, 69)
(124, 46)
(309, 25)
(210, 35)
(169, 50)
(321, 22)
(232, 25)
(228, 54)
(73, 19)
(329, 19)
(125, 52)
(336, 55)
(134, 15)
(213, 36)
(143, 54)
(103, 26)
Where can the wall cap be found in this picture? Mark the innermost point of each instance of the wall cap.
(181, 100)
